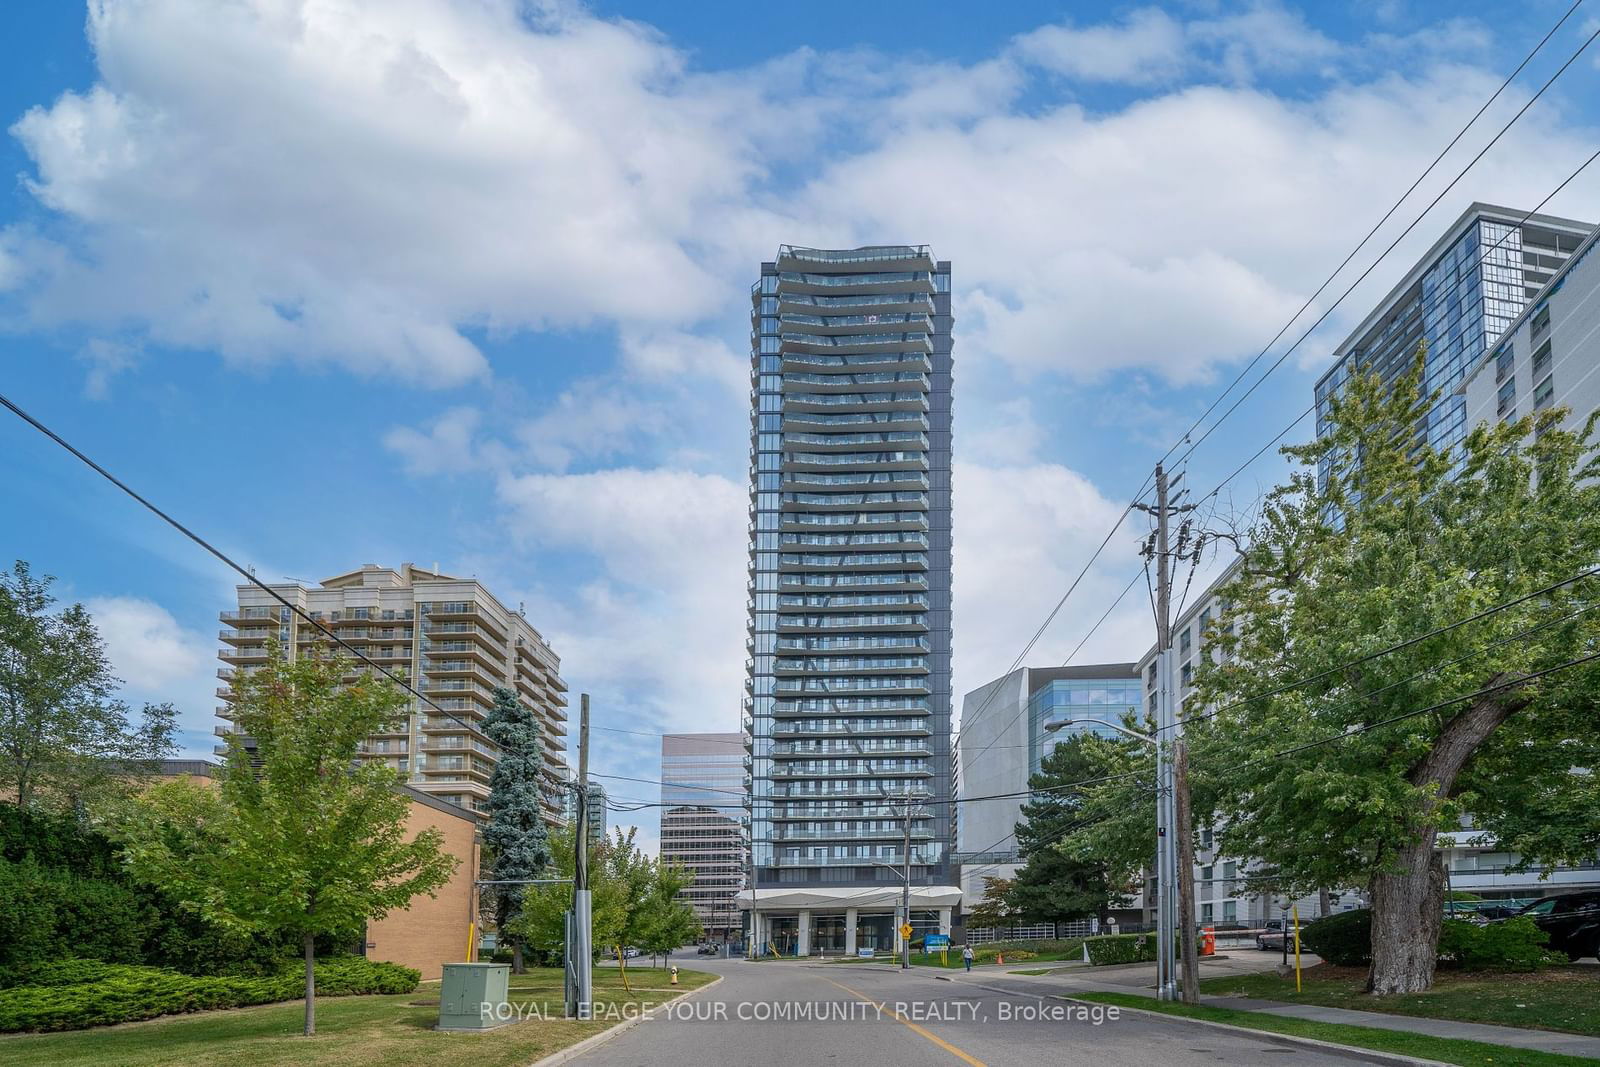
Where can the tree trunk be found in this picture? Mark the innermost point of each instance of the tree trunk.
(1407, 911)
(309, 941)
(1408, 900)
(1324, 904)
(516, 957)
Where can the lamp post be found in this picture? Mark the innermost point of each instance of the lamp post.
(1166, 851)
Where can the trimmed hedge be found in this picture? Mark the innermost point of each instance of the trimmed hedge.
(1515, 944)
(1121, 948)
(75, 994)
(1512, 945)
(987, 953)
(1343, 939)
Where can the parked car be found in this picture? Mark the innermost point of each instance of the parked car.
(1276, 940)
(630, 952)
(707, 949)
(1571, 920)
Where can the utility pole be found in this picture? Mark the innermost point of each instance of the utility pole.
(580, 947)
(1174, 844)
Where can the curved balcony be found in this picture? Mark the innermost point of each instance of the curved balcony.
(865, 349)
(914, 684)
(916, 727)
(887, 623)
(900, 400)
(906, 460)
(863, 283)
(791, 301)
(880, 538)
(855, 643)
(892, 481)
(903, 257)
(850, 324)
(823, 422)
(794, 602)
(865, 665)
(845, 441)
(855, 561)
(867, 382)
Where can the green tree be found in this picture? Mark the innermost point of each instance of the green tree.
(1379, 539)
(302, 837)
(515, 834)
(994, 909)
(666, 920)
(1073, 868)
(64, 740)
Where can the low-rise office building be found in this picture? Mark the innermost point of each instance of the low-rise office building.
(702, 828)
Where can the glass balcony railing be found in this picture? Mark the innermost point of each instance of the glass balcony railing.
(897, 642)
(854, 459)
(864, 378)
(853, 600)
(846, 280)
(844, 322)
(854, 581)
(853, 559)
(854, 399)
(842, 684)
(855, 418)
(857, 340)
(865, 254)
(852, 622)
(860, 300)
(858, 478)
(818, 540)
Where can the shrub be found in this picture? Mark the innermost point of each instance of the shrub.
(1513, 945)
(74, 994)
(1343, 939)
(1121, 948)
(987, 953)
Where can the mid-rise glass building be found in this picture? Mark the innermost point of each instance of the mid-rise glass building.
(1462, 294)
(847, 711)
(702, 829)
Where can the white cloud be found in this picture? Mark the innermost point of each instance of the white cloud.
(661, 626)
(1146, 47)
(147, 648)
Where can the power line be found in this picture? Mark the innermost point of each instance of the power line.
(1407, 643)
(1403, 234)
(1238, 378)
(228, 561)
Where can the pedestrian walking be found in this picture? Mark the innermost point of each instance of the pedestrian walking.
(966, 956)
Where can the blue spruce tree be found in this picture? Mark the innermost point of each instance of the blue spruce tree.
(516, 836)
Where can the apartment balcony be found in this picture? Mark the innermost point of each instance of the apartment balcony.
(854, 440)
(861, 351)
(251, 617)
(468, 611)
(869, 562)
(452, 644)
(888, 580)
(855, 747)
(917, 834)
(245, 654)
(857, 422)
(851, 601)
(817, 400)
(898, 257)
(898, 460)
(842, 664)
(247, 637)
(868, 382)
(905, 726)
(864, 283)
(815, 483)
(912, 643)
(865, 685)
(905, 623)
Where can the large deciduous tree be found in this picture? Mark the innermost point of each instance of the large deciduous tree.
(1352, 719)
(515, 834)
(302, 838)
(64, 740)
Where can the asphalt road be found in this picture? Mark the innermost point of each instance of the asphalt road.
(777, 1014)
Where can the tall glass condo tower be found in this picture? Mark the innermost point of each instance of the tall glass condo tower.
(847, 706)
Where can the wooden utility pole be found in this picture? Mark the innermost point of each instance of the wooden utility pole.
(905, 893)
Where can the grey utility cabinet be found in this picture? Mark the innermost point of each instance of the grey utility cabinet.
(465, 990)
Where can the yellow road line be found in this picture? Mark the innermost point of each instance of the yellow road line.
(897, 1017)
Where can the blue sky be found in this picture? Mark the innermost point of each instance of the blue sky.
(342, 282)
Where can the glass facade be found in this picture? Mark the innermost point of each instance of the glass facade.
(1457, 301)
(847, 705)
(1102, 699)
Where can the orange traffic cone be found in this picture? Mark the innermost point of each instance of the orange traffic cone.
(999, 959)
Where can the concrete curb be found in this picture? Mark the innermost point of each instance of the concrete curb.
(1370, 1055)
(572, 1052)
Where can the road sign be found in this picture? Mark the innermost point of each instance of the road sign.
(905, 929)
(933, 941)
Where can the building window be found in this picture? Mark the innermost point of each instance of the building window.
(1508, 398)
(1184, 642)
(1543, 392)
(1205, 913)
(1540, 320)
(1230, 911)
(1541, 360)
(1504, 360)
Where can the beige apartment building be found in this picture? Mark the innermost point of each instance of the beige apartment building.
(450, 637)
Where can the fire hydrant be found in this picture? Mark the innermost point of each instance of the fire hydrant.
(674, 974)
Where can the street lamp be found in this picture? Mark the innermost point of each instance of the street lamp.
(1167, 874)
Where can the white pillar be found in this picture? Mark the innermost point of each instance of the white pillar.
(850, 919)
(804, 923)
(944, 921)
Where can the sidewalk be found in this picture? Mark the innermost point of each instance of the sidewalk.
(1143, 984)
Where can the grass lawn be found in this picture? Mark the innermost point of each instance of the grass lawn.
(1560, 998)
(350, 1030)
(1446, 1050)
